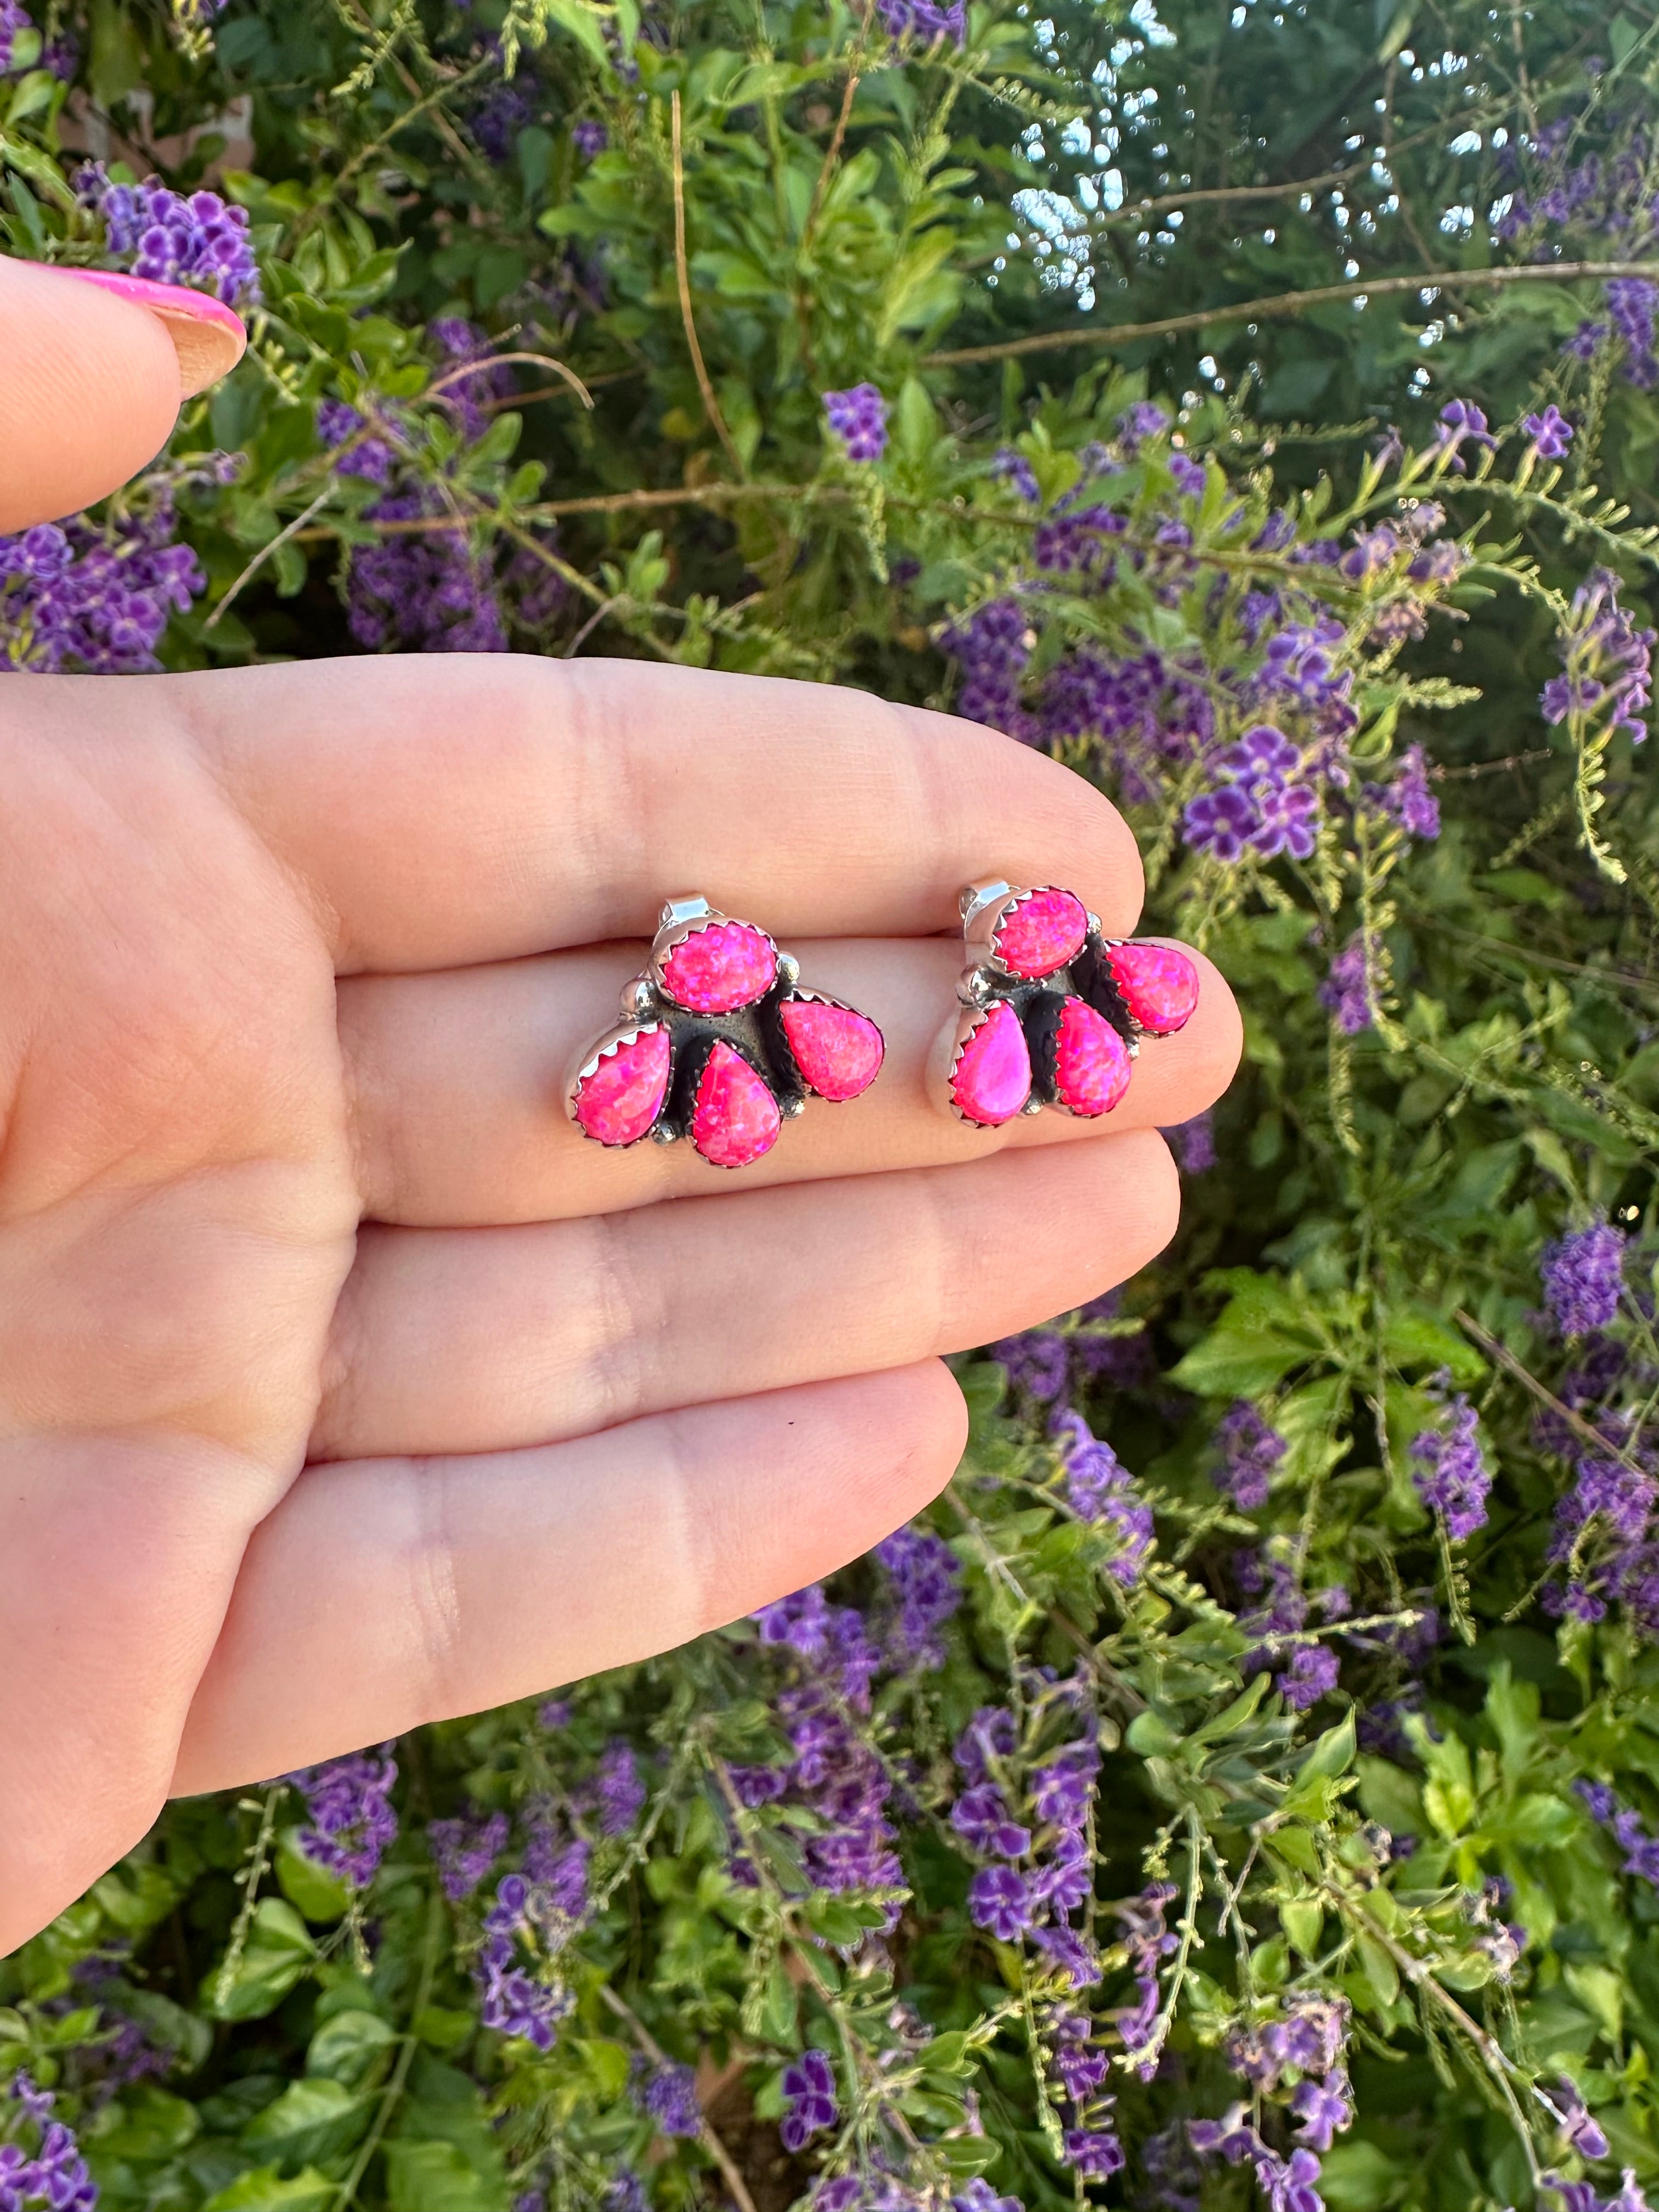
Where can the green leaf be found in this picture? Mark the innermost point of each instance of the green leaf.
(264, 2190)
(434, 2176)
(279, 1950)
(311, 2120)
(1380, 1969)
(350, 2047)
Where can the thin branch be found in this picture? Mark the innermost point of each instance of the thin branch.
(394, 2087)
(485, 362)
(295, 529)
(710, 2141)
(1280, 304)
(1506, 1359)
(683, 274)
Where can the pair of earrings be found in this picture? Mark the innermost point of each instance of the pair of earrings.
(720, 1041)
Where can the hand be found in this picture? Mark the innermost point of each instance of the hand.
(346, 1386)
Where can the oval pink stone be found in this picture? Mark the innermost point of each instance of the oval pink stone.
(723, 965)
(837, 1050)
(623, 1095)
(991, 1079)
(1042, 931)
(734, 1117)
(1159, 983)
(1091, 1061)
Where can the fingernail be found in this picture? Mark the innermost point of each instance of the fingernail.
(208, 337)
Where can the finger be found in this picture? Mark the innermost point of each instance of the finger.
(90, 392)
(384, 1592)
(461, 809)
(483, 1340)
(457, 1082)
(116, 1566)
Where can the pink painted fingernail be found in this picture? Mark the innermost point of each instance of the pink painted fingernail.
(208, 337)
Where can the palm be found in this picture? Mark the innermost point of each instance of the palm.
(348, 1387)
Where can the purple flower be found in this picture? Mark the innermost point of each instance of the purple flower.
(1035, 1361)
(1452, 1478)
(808, 2091)
(925, 21)
(1608, 661)
(1409, 798)
(200, 242)
(1250, 1450)
(465, 1850)
(980, 1817)
(1310, 1675)
(671, 2100)
(1145, 419)
(57, 2176)
(422, 591)
(990, 1735)
(1095, 2154)
(1000, 1901)
(1583, 1273)
(14, 21)
(1347, 990)
(1323, 2109)
(1460, 419)
(1580, 2130)
(589, 137)
(1190, 475)
(925, 1578)
(352, 1821)
(1222, 823)
(1550, 432)
(1099, 1488)
(618, 1789)
(1193, 1145)
(370, 458)
(1013, 469)
(858, 418)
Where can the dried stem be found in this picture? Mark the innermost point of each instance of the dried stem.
(1279, 304)
(683, 274)
(710, 2141)
(1506, 1359)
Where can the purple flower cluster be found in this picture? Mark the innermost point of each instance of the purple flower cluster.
(525, 1913)
(1250, 1450)
(619, 1793)
(422, 591)
(1607, 661)
(350, 1820)
(1603, 1535)
(668, 2095)
(925, 1578)
(1305, 1672)
(1288, 2185)
(1627, 1829)
(1632, 308)
(925, 21)
(1307, 2038)
(1583, 2197)
(465, 1849)
(1147, 1941)
(1583, 1275)
(809, 2096)
(56, 2178)
(77, 595)
(590, 137)
(1261, 804)
(1049, 1833)
(858, 418)
(1451, 1475)
(1099, 1488)
(472, 381)
(1347, 991)
(833, 1775)
(201, 240)
(370, 456)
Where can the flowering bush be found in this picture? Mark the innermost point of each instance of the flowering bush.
(1244, 1786)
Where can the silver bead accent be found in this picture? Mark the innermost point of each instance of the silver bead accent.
(788, 971)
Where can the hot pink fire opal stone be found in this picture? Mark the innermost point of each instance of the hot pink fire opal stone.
(734, 1117)
(623, 1095)
(1159, 985)
(837, 1050)
(723, 965)
(1091, 1061)
(992, 1077)
(1041, 932)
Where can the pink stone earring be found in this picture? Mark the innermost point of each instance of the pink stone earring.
(718, 1041)
(1053, 1013)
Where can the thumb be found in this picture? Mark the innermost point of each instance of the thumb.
(96, 366)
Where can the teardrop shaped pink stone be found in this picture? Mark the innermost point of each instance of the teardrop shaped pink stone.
(726, 964)
(992, 1080)
(623, 1095)
(734, 1118)
(1159, 985)
(1091, 1061)
(1041, 932)
(837, 1049)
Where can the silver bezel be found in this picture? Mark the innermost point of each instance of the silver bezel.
(621, 1033)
